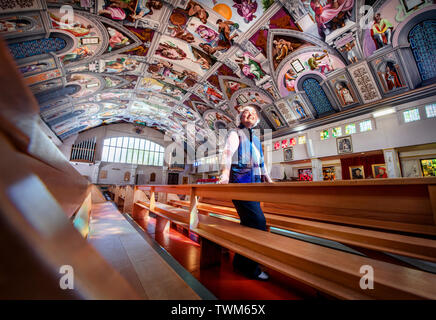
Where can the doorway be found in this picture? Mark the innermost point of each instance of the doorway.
(173, 178)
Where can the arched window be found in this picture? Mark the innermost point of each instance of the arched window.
(422, 39)
(317, 97)
(152, 177)
(132, 150)
(20, 50)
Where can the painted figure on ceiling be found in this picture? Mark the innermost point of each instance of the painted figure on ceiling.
(289, 79)
(180, 33)
(246, 9)
(225, 40)
(381, 31)
(206, 33)
(391, 76)
(331, 15)
(344, 93)
(118, 9)
(350, 51)
(77, 54)
(146, 7)
(249, 66)
(170, 51)
(276, 119)
(196, 10)
(282, 49)
(299, 109)
(75, 28)
(13, 25)
(315, 63)
(117, 39)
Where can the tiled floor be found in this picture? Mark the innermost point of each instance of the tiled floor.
(221, 280)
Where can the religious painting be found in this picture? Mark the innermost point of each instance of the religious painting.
(285, 45)
(344, 145)
(201, 108)
(146, 37)
(344, 91)
(348, 47)
(37, 66)
(179, 52)
(357, 172)
(130, 81)
(389, 73)
(317, 60)
(305, 174)
(288, 154)
(216, 120)
(80, 28)
(15, 26)
(117, 40)
(428, 167)
(286, 111)
(379, 171)
(249, 96)
(269, 87)
(86, 5)
(298, 108)
(274, 117)
(48, 85)
(331, 16)
(380, 27)
(20, 5)
(159, 86)
(172, 73)
(328, 173)
(210, 93)
(231, 86)
(250, 66)
(89, 84)
(43, 76)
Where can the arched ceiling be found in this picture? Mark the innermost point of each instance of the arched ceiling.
(170, 63)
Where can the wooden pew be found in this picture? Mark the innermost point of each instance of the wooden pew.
(383, 241)
(312, 264)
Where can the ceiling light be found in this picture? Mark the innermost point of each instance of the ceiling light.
(383, 112)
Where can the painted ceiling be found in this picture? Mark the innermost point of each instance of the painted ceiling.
(169, 63)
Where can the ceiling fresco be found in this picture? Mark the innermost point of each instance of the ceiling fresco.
(169, 63)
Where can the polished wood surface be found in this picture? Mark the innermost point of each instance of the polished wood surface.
(334, 272)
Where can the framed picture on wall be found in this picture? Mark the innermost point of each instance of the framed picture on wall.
(379, 171)
(357, 172)
(288, 154)
(344, 145)
(428, 167)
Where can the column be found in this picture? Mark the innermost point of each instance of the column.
(317, 169)
(95, 172)
(392, 163)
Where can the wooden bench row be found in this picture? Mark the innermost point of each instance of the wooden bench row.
(406, 245)
(331, 271)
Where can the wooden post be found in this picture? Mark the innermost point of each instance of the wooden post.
(162, 224)
(193, 212)
(432, 195)
(128, 200)
(210, 253)
(152, 199)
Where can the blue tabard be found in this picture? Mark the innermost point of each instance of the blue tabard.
(244, 170)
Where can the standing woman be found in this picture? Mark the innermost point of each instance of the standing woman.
(244, 148)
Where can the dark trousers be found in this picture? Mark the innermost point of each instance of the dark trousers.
(251, 215)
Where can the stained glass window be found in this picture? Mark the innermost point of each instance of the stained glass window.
(301, 139)
(337, 132)
(324, 135)
(411, 115)
(430, 110)
(284, 143)
(422, 40)
(292, 142)
(277, 145)
(36, 47)
(350, 128)
(317, 97)
(365, 126)
(132, 150)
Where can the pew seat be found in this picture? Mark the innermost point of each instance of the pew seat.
(134, 257)
(406, 245)
(333, 272)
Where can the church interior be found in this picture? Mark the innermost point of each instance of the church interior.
(114, 121)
